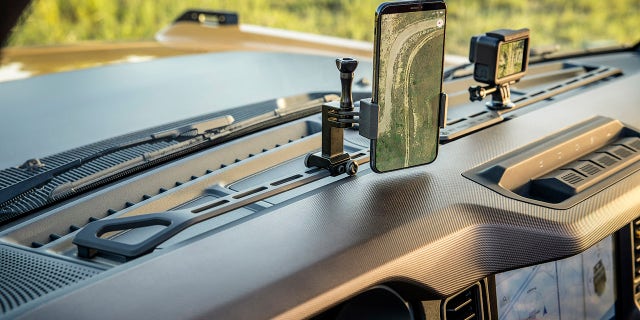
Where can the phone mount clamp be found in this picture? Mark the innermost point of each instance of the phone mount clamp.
(336, 116)
(500, 96)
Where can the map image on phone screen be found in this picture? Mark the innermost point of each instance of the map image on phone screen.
(411, 46)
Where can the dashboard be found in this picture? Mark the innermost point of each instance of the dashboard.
(484, 232)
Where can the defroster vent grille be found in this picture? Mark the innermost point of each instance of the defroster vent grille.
(26, 276)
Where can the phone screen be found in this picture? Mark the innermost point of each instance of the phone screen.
(408, 62)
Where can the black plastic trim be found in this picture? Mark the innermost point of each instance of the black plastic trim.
(529, 173)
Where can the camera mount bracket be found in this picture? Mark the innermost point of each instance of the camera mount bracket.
(335, 117)
(500, 96)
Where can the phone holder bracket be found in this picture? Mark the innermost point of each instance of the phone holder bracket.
(339, 115)
(369, 113)
(368, 120)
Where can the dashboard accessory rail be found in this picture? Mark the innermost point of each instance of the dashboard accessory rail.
(90, 242)
(583, 75)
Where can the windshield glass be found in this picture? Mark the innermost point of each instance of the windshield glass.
(66, 35)
(559, 25)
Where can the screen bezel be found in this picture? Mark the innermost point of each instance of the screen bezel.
(394, 8)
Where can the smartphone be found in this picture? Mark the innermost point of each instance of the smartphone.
(407, 82)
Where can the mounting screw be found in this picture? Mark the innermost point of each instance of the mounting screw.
(352, 168)
(306, 160)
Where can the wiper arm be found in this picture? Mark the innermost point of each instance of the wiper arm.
(25, 185)
(206, 133)
(199, 127)
(43, 177)
(41, 183)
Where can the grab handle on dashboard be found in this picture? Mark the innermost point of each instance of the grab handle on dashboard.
(90, 243)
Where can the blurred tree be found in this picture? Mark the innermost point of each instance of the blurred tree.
(572, 23)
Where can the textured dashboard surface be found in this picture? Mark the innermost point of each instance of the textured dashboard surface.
(429, 226)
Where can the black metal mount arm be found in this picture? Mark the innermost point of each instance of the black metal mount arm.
(336, 116)
(500, 96)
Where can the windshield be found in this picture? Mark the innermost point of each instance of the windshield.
(555, 25)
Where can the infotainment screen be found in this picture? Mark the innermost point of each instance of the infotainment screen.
(578, 287)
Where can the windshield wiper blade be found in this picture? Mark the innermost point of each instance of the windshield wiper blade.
(197, 130)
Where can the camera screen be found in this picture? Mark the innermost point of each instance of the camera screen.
(511, 58)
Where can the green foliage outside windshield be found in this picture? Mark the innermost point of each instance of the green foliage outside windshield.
(571, 24)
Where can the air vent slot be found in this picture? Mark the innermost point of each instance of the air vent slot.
(210, 206)
(571, 178)
(285, 180)
(26, 276)
(623, 153)
(478, 114)
(606, 160)
(250, 192)
(466, 305)
(589, 168)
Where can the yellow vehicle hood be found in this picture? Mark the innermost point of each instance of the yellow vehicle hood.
(180, 38)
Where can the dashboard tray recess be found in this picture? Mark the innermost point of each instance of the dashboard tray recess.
(564, 168)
